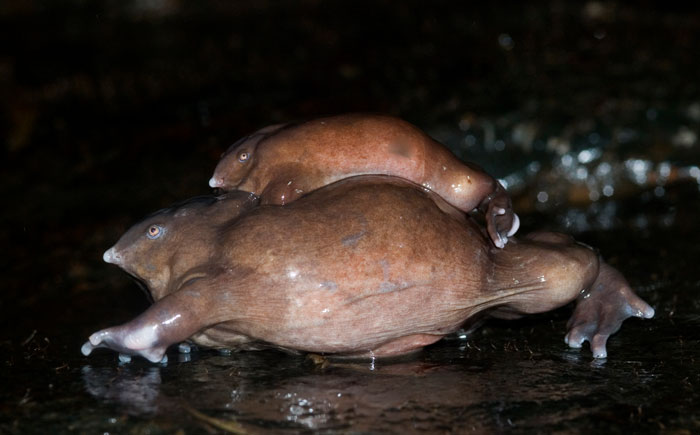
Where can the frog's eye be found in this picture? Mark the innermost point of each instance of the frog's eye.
(243, 156)
(154, 231)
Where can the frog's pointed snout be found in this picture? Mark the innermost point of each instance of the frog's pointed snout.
(215, 182)
(112, 256)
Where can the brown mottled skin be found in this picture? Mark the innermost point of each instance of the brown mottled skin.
(369, 266)
(282, 162)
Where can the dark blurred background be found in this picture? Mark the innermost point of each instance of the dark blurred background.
(588, 112)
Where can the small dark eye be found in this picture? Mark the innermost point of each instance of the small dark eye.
(154, 231)
(242, 157)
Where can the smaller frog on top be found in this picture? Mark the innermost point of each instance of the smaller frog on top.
(282, 162)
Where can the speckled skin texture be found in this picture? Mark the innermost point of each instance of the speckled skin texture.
(282, 162)
(369, 266)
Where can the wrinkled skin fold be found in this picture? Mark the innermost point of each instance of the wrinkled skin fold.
(368, 266)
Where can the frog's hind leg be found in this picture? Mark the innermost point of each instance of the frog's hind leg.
(601, 310)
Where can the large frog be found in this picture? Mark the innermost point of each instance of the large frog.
(368, 266)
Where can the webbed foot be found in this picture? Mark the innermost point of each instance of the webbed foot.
(127, 341)
(600, 311)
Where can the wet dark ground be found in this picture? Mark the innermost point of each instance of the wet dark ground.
(589, 112)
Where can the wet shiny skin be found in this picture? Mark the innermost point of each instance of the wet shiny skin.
(285, 161)
(370, 266)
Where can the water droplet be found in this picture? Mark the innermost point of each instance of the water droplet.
(640, 221)
(594, 138)
(470, 140)
(542, 197)
(588, 155)
(581, 173)
(668, 220)
(684, 137)
(505, 41)
(694, 172)
(567, 160)
(603, 169)
(639, 169)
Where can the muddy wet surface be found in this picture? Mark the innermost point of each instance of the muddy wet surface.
(589, 113)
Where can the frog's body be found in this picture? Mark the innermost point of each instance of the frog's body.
(367, 266)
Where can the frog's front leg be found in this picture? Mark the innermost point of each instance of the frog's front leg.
(601, 310)
(170, 320)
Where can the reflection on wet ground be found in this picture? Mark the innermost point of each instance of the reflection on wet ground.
(589, 113)
(517, 377)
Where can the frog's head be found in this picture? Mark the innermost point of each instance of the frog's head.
(166, 247)
(236, 163)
